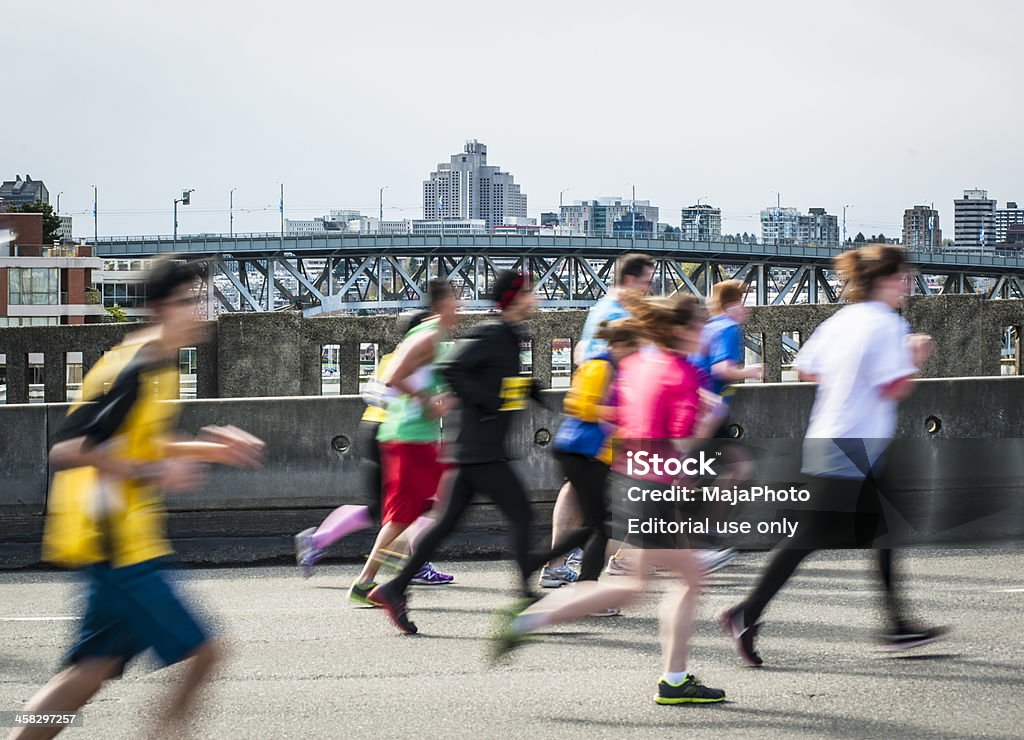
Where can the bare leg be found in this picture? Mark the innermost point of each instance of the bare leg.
(68, 691)
(388, 534)
(179, 708)
(565, 517)
(679, 607)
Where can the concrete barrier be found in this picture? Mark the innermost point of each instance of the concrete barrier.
(313, 463)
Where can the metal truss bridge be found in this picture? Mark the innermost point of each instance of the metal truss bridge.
(321, 273)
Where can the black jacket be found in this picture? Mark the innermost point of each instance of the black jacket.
(483, 371)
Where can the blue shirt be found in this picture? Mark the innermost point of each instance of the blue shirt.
(606, 309)
(721, 341)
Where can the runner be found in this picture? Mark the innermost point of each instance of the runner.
(483, 371)
(659, 402)
(583, 450)
(863, 359)
(105, 514)
(410, 438)
(633, 275)
(310, 544)
(721, 357)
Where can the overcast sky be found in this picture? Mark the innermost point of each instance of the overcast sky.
(880, 104)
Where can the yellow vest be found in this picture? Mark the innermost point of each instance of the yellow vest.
(92, 518)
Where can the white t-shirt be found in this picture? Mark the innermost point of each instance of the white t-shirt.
(855, 354)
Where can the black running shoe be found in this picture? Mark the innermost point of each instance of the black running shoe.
(905, 637)
(396, 606)
(742, 636)
(690, 691)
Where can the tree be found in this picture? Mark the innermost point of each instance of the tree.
(859, 239)
(116, 315)
(51, 221)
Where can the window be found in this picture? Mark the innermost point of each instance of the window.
(33, 286)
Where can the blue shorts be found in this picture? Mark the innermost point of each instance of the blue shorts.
(132, 609)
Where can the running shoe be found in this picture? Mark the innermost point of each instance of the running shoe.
(360, 592)
(397, 607)
(428, 575)
(390, 561)
(906, 637)
(306, 553)
(622, 567)
(742, 636)
(611, 611)
(575, 558)
(713, 560)
(618, 567)
(690, 691)
(505, 634)
(556, 577)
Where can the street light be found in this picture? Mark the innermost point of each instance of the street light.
(844, 221)
(58, 201)
(185, 199)
(381, 214)
(560, 193)
(282, 214)
(231, 211)
(95, 220)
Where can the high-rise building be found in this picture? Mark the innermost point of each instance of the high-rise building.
(18, 192)
(629, 227)
(598, 217)
(1005, 218)
(820, 228)
(468, 189)
(702, 223)
(974, 220)
(921, 228)
(64, 232)
(787, 226)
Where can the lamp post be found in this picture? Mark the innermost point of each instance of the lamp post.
(95, 220)
(844, 221)
(282, 213)
(58, 201)
(632, 210)
(561, 192)
(381, 213)
(231, 211)
(185, 199)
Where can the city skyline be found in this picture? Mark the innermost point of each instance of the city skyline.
(202, 107)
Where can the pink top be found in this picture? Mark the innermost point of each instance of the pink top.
(658, 396)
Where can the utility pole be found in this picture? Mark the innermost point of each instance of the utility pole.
(382, 202)
(282, 213)
(844, 221)
(95, 220)
(231, 211)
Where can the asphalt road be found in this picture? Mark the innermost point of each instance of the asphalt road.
(303, 663)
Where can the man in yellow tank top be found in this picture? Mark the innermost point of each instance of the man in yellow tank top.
(116, 456)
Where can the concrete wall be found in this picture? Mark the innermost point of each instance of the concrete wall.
(313, 465)
(278, 354)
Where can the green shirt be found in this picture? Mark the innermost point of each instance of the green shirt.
(405, 421)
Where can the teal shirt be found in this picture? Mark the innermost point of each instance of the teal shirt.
(405, 420)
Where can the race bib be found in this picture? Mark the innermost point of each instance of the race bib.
(515, 392)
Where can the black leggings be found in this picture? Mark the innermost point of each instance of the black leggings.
(369, 451)
(588, 478)
(822, 531)
(498, 481)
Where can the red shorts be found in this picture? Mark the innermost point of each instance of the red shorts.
(411, 473)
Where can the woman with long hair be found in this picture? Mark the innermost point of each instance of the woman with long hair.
(863, 359)
(659, 404)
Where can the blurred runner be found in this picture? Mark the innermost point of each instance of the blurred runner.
(863, 359)
(582, 447)
(410, 437)
(117, 453)
(483, 371)
(659, 405)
